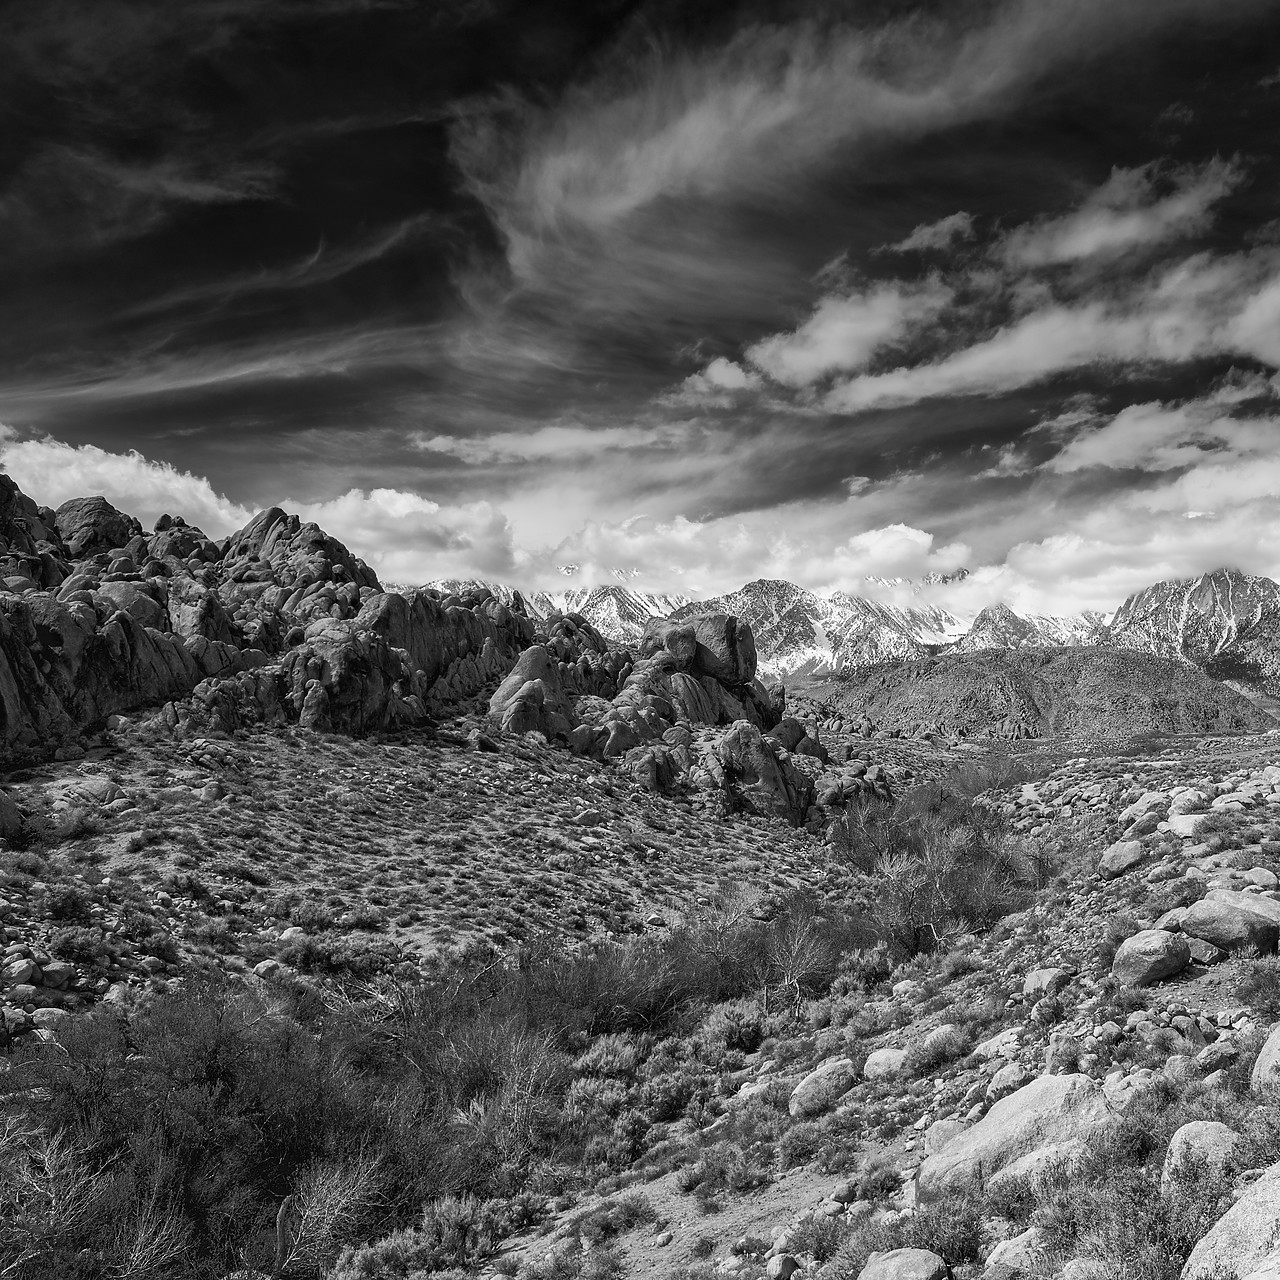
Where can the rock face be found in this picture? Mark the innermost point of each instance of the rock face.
(1149, 956)
(763, 780)
(533, 697)
(1052, 1116)
(1266, 1069)
(88, 526)
(1244, 1237)
(706, 665)
(1226, 622)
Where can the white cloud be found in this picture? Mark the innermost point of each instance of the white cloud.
(52, 472)
(845, 332)
(408, 538)
(1126, 213)
(933, 236)
(1157, 437)
(718, 385)
(1201, 307)
(402, 535)
(557, 442)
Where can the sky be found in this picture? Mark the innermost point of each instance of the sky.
(683, 291)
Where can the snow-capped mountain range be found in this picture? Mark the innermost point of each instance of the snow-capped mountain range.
(805, 632)
(1226, 622)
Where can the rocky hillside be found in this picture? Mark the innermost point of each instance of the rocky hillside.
(1087, 692)
(1226, 622)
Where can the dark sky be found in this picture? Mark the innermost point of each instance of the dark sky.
(704, 291)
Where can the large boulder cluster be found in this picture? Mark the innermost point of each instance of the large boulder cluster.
(686, 710)
(277, 622)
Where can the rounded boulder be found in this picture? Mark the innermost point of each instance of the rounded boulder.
(905, 1264)
(820, 1090)
(1150, 956)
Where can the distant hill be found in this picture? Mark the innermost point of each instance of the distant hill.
(1086, 691)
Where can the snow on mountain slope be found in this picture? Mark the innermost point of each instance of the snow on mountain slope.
(1226, 622)
(616, 612)
(998, 627)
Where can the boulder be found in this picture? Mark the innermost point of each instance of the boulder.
(1021, 1254)
(905, 1264)
(1120, 857)
(90, 525)
(820, 1090)
(760, 780)
(1266, 1069)
(1051, 1115)
(533, 697)
(725, 648)
(1044, 982)
(1187, 825)
(1149, 956)
(1008, 1079)
(1245, 1237)
(884, 1063)
(1200, 1145)
(1231, 920)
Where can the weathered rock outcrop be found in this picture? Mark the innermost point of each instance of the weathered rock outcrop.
(91, 526)
(533, 697)
(32, 556)
(763, 778)
(705, 664)
(281, 622)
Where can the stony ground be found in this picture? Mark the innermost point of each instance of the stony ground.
(338, 856)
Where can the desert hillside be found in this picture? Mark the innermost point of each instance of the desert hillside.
(1044, 693)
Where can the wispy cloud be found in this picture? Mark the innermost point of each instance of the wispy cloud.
(69, 197)
(845, 332)
(1126, 213)
(323, 266)
(552, 443)
(934, 236)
